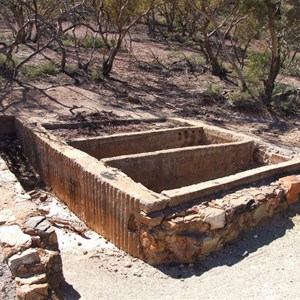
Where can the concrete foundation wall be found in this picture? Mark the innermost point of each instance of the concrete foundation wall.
(133, 143)
(75, 177)
(172, 169)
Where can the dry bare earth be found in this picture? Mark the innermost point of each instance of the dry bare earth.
(263, 264)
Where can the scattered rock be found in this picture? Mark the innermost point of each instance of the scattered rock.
(33, 292)
(136, 273)
(215, 217)
(245, 254)
(13, 240)
(6, 215)
(42, 278)
(28, 257)
(128, 264)
(152, 219)
(292, 184)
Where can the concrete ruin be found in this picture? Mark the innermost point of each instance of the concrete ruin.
(153, 193)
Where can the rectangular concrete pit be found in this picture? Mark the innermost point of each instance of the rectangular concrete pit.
(170, 169)
(122, 209)
(149, 141)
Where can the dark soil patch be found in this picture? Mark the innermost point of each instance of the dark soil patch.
(93, 129)
(12, 153)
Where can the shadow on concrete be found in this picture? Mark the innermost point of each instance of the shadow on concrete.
(239, 249)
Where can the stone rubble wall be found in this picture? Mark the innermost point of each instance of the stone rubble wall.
(28, 242)
(189, 234)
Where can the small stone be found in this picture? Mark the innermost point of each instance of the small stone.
(6, 215)
(128, 264)
(152, 219)
(28, 257)
(33, 222)
(260, 198)
(42, 278)
(292, 184)
(136, 273)
(13, 237)
(215, 217)
(85, 252)
(255, 236)
(43, 197)
(209, 244)
(79, 244)
(245, 254)
(33, 292)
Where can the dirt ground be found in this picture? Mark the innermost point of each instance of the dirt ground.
(262, 264)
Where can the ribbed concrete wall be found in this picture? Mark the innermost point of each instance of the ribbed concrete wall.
(76, 179)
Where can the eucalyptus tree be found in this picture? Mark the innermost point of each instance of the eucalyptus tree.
(279, 23)
(112, 20)
(34, 24)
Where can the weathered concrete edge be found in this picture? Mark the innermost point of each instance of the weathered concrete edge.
(72, 125)
(186, 194)
(132, 135)
(176, 150)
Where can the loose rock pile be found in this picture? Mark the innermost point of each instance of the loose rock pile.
(28, 243)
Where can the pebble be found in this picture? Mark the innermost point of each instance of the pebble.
(1, 273)
(128, 264)
(136, 273)
(246, 253)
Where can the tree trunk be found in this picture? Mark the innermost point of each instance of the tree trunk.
(217, 69)
(275, 66)
(107, 64)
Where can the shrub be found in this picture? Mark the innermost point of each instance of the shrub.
(96, 75)
(36, 71)
(7, 67)
(258, 66)
(214, 89)
(90, 42)
(286, 98)
(292, 69)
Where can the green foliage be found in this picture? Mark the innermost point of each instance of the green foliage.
(67, 40)
(239, 97)
(286, 97)
(72, 69)
(214, 89)
(258, 66)
(91, 42)
(293, 68)
(96, 75)
(7, 67)
(195, 59)
(36, 71)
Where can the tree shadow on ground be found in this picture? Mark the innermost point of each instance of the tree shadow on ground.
(239, 249)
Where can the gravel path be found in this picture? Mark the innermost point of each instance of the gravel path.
(263, 264)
